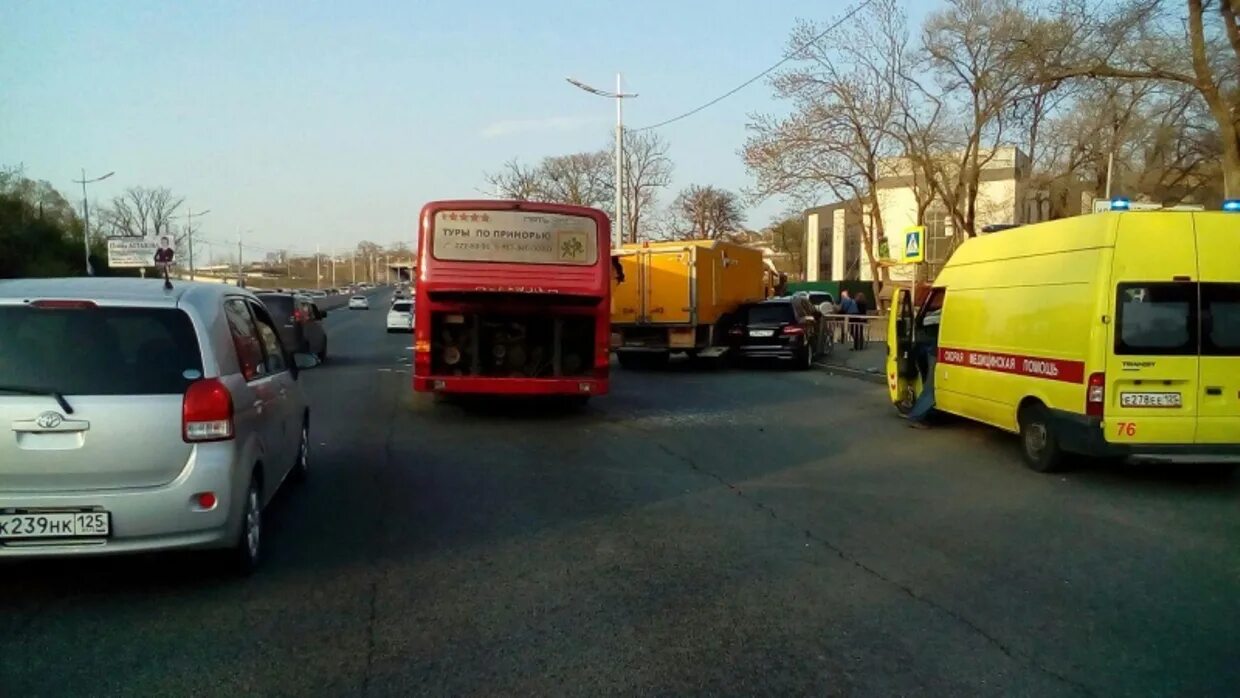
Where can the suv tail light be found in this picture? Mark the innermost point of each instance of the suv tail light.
(1095, 394)
(736, 331)
(793, 329)
(207, 412)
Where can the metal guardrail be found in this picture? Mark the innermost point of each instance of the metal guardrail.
(873, 327)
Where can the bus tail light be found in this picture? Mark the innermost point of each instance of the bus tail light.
(1095, 394)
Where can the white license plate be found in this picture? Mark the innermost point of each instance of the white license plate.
(761, 333)
(88, 524)
(1150, 400)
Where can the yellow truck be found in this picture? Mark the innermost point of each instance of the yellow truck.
(679, 296)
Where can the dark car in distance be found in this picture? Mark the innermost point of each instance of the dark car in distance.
(779, 328)
(299, 322)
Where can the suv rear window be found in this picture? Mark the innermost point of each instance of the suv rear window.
(402, 307)
(280, 306)
(1157, 318)
(99, 351)
(769, 314)
(1220, 319)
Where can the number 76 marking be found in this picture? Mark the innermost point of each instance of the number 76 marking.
(1126, 429)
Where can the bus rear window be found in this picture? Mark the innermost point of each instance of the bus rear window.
(1156, 318)
(1220, 320)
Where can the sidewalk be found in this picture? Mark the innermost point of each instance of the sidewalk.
(870, 363)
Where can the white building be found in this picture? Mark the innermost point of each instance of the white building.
(834, 249)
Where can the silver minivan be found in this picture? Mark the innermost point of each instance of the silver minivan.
(136, 417)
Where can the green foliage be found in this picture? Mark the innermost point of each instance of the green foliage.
(40, 233)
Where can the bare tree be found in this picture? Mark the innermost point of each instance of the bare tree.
(706, 213)
(647, 168)
(584, 179)
(515, 181)
(1144, 40)
(142, 212)
(840, 137)
(977, 51)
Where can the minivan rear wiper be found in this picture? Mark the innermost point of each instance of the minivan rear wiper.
(27, 390)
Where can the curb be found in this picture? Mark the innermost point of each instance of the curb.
(841, 370)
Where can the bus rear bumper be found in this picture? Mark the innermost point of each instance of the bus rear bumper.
(586, 386)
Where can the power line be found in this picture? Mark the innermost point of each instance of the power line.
(791, 54)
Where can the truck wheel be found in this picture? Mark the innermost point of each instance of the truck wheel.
(1039, 444)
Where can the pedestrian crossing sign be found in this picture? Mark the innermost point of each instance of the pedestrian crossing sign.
(914, 245)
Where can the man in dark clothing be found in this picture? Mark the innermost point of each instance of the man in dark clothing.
(858, 323)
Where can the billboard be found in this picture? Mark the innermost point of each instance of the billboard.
(523, 237)
(134, 252)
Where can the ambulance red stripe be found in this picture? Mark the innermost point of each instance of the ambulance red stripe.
(1017, 364)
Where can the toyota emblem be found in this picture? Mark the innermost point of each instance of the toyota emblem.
(49, 420)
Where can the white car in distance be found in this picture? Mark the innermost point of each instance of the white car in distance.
(359, 303)
(400, 316)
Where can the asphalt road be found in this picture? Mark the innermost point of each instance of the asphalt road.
(747, 532)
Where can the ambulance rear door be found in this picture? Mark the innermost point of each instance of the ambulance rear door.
(1151, 393)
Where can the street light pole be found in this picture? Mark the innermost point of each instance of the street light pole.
(189, 235)
(86, 216)
(618, 233)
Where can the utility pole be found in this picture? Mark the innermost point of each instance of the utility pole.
(86, 216)
(353, 268)
(240, 280)
(318, 267)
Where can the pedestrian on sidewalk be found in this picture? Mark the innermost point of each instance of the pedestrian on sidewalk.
(863, 308)
(848, 308)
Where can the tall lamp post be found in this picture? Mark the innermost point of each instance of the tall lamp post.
(86, 215)
(617, 235)
(189, 234)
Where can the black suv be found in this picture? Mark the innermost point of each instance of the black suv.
(299, 322)
(778, 328)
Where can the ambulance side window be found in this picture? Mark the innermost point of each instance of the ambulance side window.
(1156, 318)
(1220, 319)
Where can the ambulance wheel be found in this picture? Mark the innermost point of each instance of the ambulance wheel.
(1039, 444)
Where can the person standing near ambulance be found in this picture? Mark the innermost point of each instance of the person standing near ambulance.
(926, 352)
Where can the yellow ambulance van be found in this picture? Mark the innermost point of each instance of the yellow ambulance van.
(1114, 334)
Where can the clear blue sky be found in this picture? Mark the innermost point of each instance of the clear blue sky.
(331, 123)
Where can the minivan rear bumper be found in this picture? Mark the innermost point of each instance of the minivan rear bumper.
(143, 519)
(1081, 434)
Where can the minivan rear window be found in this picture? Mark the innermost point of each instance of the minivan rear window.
(402, 307)
(1156, 319)
(99, 351)
(1220, 321)
(770, 314)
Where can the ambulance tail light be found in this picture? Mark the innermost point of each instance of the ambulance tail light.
(1095, 394)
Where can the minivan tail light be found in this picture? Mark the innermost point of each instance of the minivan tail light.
(793, 329)
(63, 305)
(1095, 394)
(207, 412)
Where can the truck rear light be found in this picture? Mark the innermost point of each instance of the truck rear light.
(1095, 394)
(793, 330)
(207, 412)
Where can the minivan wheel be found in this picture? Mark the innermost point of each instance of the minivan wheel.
(248, 551)
(1039, 444)
(805, 360)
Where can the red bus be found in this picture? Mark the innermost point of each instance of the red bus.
(512, 298)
